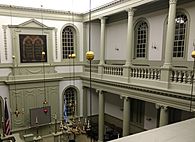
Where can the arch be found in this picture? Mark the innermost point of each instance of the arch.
(141, 38)
(75, 41)
(77, 111)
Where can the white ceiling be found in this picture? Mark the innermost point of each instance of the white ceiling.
(79, 6)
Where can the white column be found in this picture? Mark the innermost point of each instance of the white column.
(102, 40)
(170, 34)
(130, 32)
(163, 116)
(126, 116)
(101, 117)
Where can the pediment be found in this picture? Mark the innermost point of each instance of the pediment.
(32, 24)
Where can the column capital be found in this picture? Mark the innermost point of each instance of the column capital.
(172, 1)
(99, 91)
(125, 98)
(103, 19)
(161, 106)
(131, 11)
(164, 107)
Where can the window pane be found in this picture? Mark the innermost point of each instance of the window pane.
(68, 41)
(141, 41)
(180, 31)
(70, 101)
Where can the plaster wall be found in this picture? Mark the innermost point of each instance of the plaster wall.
(150, 117)
(116, 40)
(114, 105)
(95, 39)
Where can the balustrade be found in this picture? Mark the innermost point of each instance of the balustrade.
(113, 70)
(177, 75)
(145, 73)
(181, 76)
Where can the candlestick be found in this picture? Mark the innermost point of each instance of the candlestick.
(36, 120)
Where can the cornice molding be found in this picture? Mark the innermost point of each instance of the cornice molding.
(29, 12)
(13, 7)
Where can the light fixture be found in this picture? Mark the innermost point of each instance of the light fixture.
(16, 112)
(90, 57)
(45, 110)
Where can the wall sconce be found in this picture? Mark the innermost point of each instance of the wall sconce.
(148, 119)
(117, 49)
(154, 45)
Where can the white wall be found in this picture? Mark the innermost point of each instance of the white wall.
(95, 39)
(116, 41)
(150, 117)
(156, 26)
(94, 104)
(113, 105)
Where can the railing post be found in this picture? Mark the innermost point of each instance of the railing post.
(127, 72)
(165, 77)
(101, 70)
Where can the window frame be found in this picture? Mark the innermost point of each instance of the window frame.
(136, 25)
(75, 38)
(181, 12)
(75, 101)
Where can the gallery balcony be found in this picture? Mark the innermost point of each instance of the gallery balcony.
(154, 84)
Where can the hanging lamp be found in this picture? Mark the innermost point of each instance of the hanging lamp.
(16, 112)
(45, 110)
(90, 57)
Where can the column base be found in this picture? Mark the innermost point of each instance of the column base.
(100, 141)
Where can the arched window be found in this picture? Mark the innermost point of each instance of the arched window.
(181, 22)
(70, 101)
(68, 41)
(141, 39)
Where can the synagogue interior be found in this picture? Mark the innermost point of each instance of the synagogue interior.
(96, 75)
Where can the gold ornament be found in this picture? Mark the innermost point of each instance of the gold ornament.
(90, 55)
(193, 54)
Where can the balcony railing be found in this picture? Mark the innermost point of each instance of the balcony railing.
(113, 70)
(181, 76)
(145, 73)
(176, 75)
